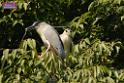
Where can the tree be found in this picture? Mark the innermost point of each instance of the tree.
(97, 53)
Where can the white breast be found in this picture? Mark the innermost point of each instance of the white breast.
(67, 42)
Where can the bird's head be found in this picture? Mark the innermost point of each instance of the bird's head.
(67, 32)
(33, 26)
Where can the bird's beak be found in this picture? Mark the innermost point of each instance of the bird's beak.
(30, 27)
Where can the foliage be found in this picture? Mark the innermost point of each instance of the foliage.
(97, 52)
(103, 20)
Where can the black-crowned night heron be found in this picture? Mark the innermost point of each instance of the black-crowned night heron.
(67, 41)
(50, 37)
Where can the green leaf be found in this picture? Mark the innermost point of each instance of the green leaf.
(25, 6)
(122, 18)
(116, 74)
(87, 41)
(31, 43)
(5, 54)
(1, 77)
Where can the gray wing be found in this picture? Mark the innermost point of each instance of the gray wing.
(53, 37)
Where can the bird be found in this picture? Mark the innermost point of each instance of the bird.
(67, 40)
(50, 37)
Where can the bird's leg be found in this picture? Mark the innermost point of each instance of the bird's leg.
(48, 47)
